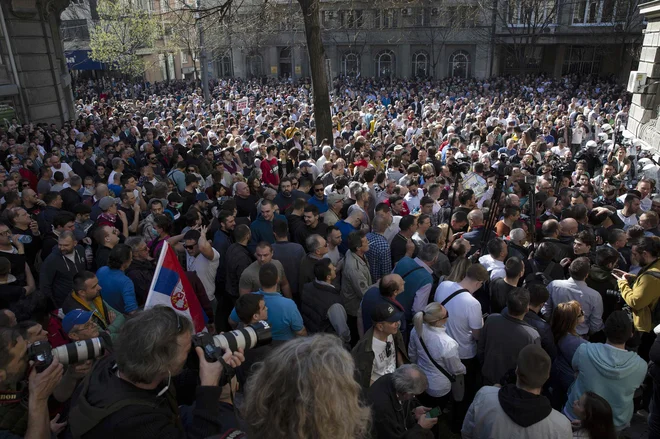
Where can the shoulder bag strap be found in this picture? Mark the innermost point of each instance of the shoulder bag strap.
(446, 301)
(410, 271)
(449, 376)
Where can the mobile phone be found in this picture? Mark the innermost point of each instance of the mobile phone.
(433, 413)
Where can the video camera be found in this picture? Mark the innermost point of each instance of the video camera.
(43, 354)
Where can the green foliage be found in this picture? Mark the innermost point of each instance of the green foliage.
(122, 31)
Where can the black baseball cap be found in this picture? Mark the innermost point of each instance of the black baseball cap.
(386, 312)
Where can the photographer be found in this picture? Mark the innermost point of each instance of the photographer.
(24, 408)
(131, 393)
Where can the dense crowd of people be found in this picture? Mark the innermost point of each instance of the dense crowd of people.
(469, 257)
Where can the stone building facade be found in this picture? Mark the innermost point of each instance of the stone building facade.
(409, 38)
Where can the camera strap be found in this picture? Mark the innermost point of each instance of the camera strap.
(7, 398)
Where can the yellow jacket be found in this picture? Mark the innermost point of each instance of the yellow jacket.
(642, 297)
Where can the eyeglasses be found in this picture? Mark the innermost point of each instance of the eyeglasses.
(388, 349)
(581, 313)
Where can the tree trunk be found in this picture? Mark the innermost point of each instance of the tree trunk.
(322, 115)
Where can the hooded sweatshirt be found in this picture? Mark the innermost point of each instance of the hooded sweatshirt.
(610, 372)
(511, 412)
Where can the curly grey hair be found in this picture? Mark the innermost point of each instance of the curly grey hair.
(306, 389)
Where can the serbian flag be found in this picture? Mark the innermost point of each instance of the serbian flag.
(170, 287)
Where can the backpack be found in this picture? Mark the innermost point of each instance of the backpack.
(539, 277)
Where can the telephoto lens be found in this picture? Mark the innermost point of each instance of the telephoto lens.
(249, 337)
(42, 353)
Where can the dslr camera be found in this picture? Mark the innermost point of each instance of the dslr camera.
(214, 346)
(43, 354)
(249, 337)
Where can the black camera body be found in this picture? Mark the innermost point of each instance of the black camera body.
(41, 353)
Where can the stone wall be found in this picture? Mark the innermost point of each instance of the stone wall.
(644, 107)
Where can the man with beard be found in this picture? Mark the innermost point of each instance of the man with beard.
(642, 292)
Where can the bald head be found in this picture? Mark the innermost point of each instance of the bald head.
(390, 285)
(568, 227)
(101, 190)
(380, 224)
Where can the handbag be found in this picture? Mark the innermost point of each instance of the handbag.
(457, 381)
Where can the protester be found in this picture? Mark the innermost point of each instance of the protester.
(268, 176)
(518, 410)
(608, 370)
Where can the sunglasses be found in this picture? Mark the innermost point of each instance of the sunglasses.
(318, 190)
(190, 247)
(581, 313)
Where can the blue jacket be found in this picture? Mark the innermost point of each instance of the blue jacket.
(610, 372)
(262, 230)
(413, 280)
(117, 289)
(322, 205)
(345, 229)
(371, 298)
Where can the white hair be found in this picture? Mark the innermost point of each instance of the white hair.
(517, 235)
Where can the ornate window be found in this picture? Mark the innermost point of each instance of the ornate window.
(459, 64)
(420, 64)
(255, 66)
(350, 64)
(385, 66)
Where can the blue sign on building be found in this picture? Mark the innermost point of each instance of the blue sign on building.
(80, 60)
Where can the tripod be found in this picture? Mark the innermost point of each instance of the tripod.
(489, 225)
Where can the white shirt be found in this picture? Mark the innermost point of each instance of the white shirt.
(444, 351)
(64, 169)
(413, 201)
(464, 316)
(561, 152)
(205, 269)
(494, 267)
(627, 221)
(382, 363)
(393, 229)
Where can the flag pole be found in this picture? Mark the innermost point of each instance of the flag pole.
(159, 265)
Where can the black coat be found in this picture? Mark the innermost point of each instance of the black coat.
(70, 198)
(391, 419)
(240, 259)
(149, 416)
(57, 272)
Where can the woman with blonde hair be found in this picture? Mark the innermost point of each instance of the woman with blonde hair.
(565, 319)
(429, 342)
(306, 389)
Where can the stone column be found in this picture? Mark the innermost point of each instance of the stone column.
(403, 61)
(367, 61)
(331, 52)
(644, 105)
(37, 50)
(238, 62)
(272, 60)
